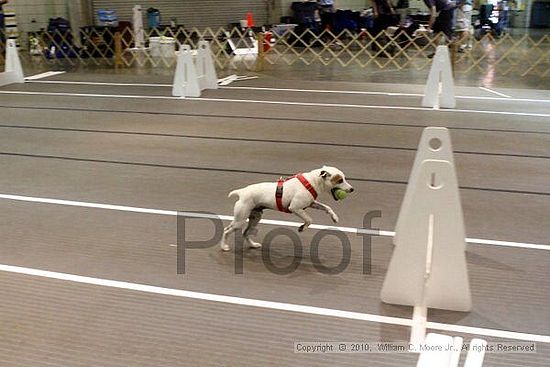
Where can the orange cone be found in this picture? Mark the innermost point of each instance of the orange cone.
(249, 20)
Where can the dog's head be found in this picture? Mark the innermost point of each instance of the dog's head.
(334, 179)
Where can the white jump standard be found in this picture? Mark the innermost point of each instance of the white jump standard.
(439, 91)
(13, 72)
(428, 266)
(194, 76)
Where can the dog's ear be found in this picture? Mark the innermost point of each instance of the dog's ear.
(324, 174)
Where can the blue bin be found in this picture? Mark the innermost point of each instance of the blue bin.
(153, 18)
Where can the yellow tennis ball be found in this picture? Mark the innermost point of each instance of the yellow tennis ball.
(341, 194)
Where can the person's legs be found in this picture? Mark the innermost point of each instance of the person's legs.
(2, 30)
(380, 24)
(327, 23)
(444, 23)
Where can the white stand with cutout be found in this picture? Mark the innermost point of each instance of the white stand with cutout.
(435, 143)
(186, 82)
(439, 91)
(137, 21)
(206, 70)
(190, 77)
(14, 71)
(428, 266)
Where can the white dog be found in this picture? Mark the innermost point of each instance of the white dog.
(293, 195)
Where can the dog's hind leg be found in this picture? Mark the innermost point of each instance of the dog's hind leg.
(253, 220)
(226, 231)
(240, 212)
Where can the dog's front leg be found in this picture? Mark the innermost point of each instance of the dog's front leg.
(325, 208)
(305, 217)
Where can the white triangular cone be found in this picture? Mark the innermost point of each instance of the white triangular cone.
(205, 67)
(442, 149)
(428, 265)
(440, 72)
(13, 72)
(185, 79)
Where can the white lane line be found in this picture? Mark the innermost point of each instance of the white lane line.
(507, 98)
(87, 95)
(101, 83)
(313, 104)
(43, 75)
(279, 306)
(334, 91)
(495, 92)
(358, 231)
(206, 296)
(84, 204)
(286, 103)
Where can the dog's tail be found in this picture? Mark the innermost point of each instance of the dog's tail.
(234, 193)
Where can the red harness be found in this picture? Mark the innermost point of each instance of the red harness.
(279, 190)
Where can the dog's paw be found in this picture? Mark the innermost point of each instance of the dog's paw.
(334, 217)
(225, 247)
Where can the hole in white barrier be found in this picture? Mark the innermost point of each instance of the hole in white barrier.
(434, 183)
(435, 144)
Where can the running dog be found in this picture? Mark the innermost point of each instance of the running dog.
(292, 195)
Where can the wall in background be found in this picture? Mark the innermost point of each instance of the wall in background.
(201, 14)
(353, 4)
(32, 15)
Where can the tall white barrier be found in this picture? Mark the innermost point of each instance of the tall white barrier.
(137, 22)
(191, 76)
(186, 82)
(206, 70)
(439, 91)
(428, 266)
(13, 72)
(435, 143)
(75, 18)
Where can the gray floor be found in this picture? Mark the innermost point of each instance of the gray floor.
(187, 155)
